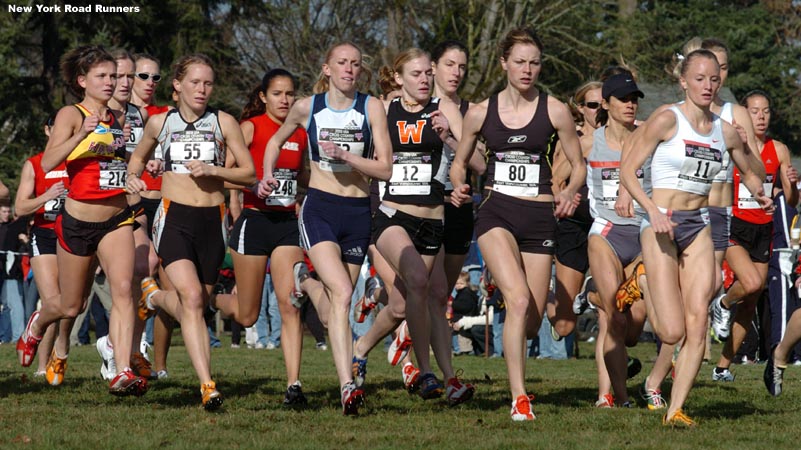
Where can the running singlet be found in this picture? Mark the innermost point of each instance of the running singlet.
(745, 206)
(201, 140)
(726, 174)
(45, 216)
(348, 128)
(418, 169)
(519, 160)
(97, 167)
(290, 162)
(689, 160)
(134, 117)
(603, 181)
(450, 153)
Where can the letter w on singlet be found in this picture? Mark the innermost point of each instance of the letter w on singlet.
(411, 132)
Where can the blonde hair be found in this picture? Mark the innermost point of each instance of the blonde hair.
(578, 98)
(182, 65)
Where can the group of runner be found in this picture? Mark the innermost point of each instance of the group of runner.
(140, 190)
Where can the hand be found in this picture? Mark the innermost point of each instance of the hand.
(624, 207)
(89, 124)
(440, 125)
(265, 187)
(55, 191)
(565, 205)
(765, 202)
(460, 195)
(740, 131)
(661, 224)
(333, 150)
(199, 169)
(792, 174)
(134, 185)
(155, 167)
(456, 326)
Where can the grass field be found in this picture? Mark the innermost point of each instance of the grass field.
(80, 414)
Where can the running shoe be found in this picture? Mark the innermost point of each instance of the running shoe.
(108, 368)
(141, 366)
(212, 399)
(162, 374)
(721, 319)
(294, 395)
(359, 370)
(554, 334)
(300, 272)
(521, 408)
(367, 302)
(56, 367)
(679, 419)
(633, 367)
(400, 345)
(773, 377)
(725, 375)
(430, 387)
(653, 398)
(39, 373)
(582, 302)
(352, 399)
(457, 392)
(629, 292)
(606, 401)
(28, 343)
(149, 287)
(127, 383)
(411, 377)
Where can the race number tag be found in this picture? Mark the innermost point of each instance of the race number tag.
(352, 140)
(411, 174)
(517, 174)
(448, 154)
(112, 174)
(284, 194)
(746, 200)
(183, 152)
(610, 186)
(133, 140)
(701, 164)
(53, 207)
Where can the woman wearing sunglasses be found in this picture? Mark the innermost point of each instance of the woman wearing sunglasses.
(571, 233)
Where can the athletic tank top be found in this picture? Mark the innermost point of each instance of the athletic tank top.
(689, 160)
(348, 128)
(726, 174)
(45, 216)
(418, 168)
(603, 181)
(97, 167)
(201, 140)
(745, 206)
(289, 164)
(134, 117)
(519, 160)
(449, 153)
(154, 184)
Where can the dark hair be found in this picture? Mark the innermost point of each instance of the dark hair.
(51, 120)
(386, 80)
(78, 61)
(255, 107)
(138, 56)
(757, 93)
(602, 117)
(521, 35)
(444, 46)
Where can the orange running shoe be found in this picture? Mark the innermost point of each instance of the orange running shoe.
(521, 408)
(679, 419)
(629, 292)
(141, 366)
(212, 399)
(56, 367)
(149, 287)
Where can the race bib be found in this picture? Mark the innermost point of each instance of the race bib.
(746, 200)
(133, 140)
(351, 140)
(517, 174)
(411, 174)
(701, 164)
(53, 207)
(284, 194)
(112, 174)
(183, 152)
(610, 186)
(448, 154)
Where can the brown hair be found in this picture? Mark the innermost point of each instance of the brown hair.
(121, 53)
(78, 61)
(182, 65)
(138, 56)
(578, 99)
(321, 85)
(521, 35)
(386, 80)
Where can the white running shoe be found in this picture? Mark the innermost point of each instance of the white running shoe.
(721, 319)
(108, 369)
(400, 345)
(726, 375)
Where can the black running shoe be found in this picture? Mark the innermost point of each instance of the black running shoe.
(294, 395)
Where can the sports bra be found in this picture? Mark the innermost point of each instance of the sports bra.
(97, 167)
(349, 128)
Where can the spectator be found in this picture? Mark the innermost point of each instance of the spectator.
(470, 315)
(13, 244)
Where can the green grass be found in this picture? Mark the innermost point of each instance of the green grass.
(80, 414)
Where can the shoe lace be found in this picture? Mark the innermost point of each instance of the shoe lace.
(59, 365)
(523, 404)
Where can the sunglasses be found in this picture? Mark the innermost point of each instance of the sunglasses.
(591, 105)
(144, 76)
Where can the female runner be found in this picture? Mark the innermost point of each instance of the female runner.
(201, 146)
(516, 226)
